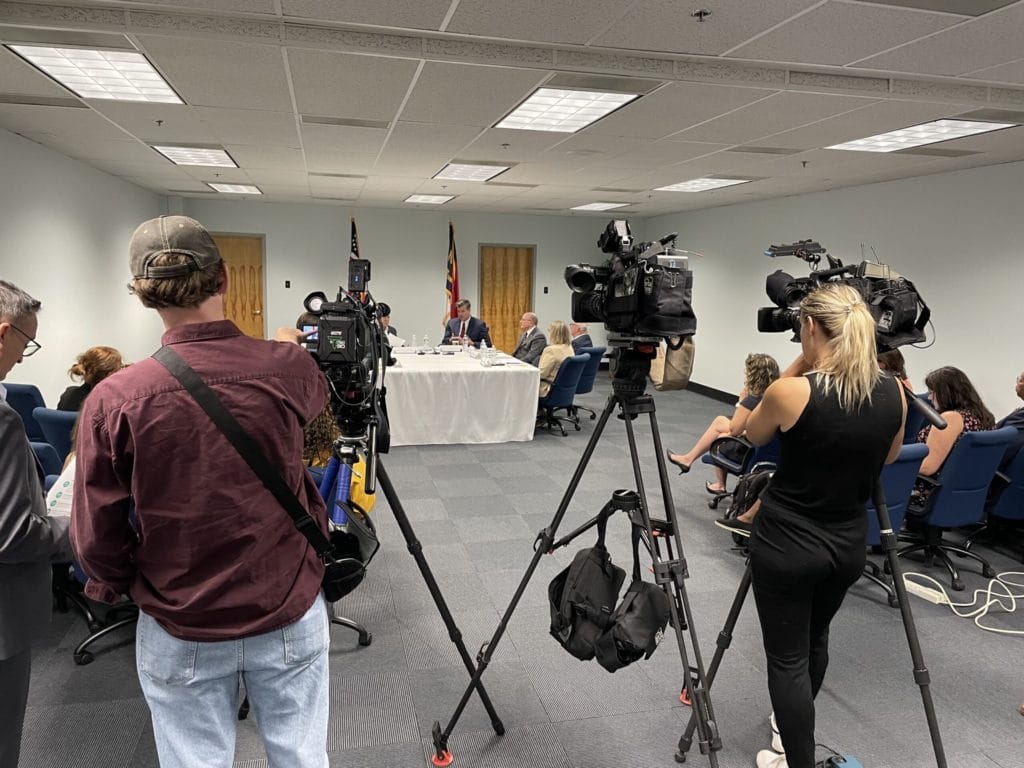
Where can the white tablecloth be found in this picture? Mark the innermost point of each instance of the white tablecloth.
(454, 399)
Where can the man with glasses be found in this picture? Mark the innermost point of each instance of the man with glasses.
(29, 539)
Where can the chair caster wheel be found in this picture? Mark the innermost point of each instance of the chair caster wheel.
(713, 504)
(95, 626)
(366, 639)
(83, 658)
(988, 572)
(958, 586)
(894, 601)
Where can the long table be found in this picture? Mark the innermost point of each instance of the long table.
(452, 398)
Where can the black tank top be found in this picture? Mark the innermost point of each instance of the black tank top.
(830, 457)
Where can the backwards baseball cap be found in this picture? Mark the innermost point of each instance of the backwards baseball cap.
(171, 234)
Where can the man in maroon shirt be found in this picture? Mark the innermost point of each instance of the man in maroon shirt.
(227, 588)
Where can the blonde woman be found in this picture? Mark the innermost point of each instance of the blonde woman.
(838, 421)
(559, 347)
(759, 371)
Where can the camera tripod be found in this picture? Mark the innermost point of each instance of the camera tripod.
(889, 543)
(628, 387)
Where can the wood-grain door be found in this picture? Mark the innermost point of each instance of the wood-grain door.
(506, 291)
(243, 304)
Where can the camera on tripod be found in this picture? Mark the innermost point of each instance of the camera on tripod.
(899, 312)
(644, 290)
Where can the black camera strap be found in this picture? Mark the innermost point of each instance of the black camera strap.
(247, 449)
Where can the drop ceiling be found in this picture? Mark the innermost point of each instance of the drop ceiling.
(361, 102)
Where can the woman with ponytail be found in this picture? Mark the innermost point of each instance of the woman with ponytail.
(92, 367)
(838, 421)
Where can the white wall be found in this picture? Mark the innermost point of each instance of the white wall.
(959, 236)
(65, 230)
(309, 245)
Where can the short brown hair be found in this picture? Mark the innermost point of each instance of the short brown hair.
(188, 291)
(463, 304)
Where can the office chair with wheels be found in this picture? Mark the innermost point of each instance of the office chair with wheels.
(24, 398)
(56, 426)
(1004, 509)
(586, 384)
(897, 483)
(738, 456)
(561, 394)
(958, 499)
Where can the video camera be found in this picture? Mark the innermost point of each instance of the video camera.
(643, 291)
(899, 311)
(350, 348)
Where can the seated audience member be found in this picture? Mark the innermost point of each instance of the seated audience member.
(893, 362)
(1013, 419)
(92, 367)
(385, 318)
(580, 337)
(760, 370)
(467, 327)
(952, 395)
(532, 342)
(318, 442)
(553, 355)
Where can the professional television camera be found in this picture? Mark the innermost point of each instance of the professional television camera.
(899, 311)
(349, 346)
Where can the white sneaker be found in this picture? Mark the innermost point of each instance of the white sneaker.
(776, 736)
(768, 759)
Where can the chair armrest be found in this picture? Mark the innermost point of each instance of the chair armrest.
(931, 480)
(731, 453)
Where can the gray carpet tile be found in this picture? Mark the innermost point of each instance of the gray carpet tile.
(370, 710)
(529, 746)
(428, 646)
(100, 733)
(473, 506)
(473, 530)
(412, 597)
(408, 755)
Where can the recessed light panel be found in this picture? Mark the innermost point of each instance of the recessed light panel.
(470, 171)
(919, 135)
(196, 156)
(598, 206)
(429, 199)
(701, 185)
(95, 74)
(563, 111)
(235, 189)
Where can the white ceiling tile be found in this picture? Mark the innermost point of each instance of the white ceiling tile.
(477, 95)
(251, 126)
(665, 25)
(317, 137)
(567, 21)
(218, 73)
(429, 138)
(513, 146)
(422, 14)
(16, 76)
(120, 150)
(245, 6)
(346, 85)
(867, 30)
(988, 41)
(154, 123)
(330, 160)
(661, 153)
(261, 176)
(272, 158)
(1004, 73)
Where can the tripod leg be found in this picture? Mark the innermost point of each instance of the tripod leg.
(921, 676)
(541, 547)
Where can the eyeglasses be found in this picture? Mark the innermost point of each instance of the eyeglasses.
(31, 346)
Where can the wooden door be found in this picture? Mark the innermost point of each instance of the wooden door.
(243, 304)
(506, 291)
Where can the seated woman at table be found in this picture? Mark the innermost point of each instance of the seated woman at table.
(759, 370)
(559, 347)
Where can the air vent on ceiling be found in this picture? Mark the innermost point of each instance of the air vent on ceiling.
(335, 175)
(936, 152)
(766, 150)
(56, 38)
(602, 83)
(994, 115)
(192, 192)
(40, 101)
(344, 121)
(618, 189)
(510, 184)
(548, 210)
(962, 7)
(334, 199)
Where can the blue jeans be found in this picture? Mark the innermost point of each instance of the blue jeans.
(192, 690)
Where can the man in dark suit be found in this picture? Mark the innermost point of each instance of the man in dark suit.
(29, 539)
(580, 337)
(532, 342)
(465, 326)
(1014, 419)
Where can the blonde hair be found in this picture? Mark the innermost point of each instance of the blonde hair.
(558, 333)
(760, 370)
(849, 362)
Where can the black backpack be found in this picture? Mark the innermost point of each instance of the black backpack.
(749, 489)
(583, 597)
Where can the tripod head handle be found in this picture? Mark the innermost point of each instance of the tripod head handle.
(930, 414)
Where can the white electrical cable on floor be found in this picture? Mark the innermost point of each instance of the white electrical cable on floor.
(997, 591)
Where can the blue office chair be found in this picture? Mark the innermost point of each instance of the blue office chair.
(1005, 509)
(586, 384)
(897, 483)
(48, 460)
(56, 426)
(958, 498)
(738, 456)
(915, 420)
(561, 394)
(24, 398)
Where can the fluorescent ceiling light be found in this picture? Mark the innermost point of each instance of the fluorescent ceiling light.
(701, 185)
(470, 171)
(196, 156)
(235, 189)
(598, 206)
(429, 199)
(563, 111)
(94, 74)
(919, 135)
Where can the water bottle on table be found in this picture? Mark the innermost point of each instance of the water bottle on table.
(426, 343)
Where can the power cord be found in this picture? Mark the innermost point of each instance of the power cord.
(998, 592)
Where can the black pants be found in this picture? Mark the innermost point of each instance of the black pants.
(801, 571)
(14, 676)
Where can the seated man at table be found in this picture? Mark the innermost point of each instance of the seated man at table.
(465, 326)
(580, 337)
(532, 342)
